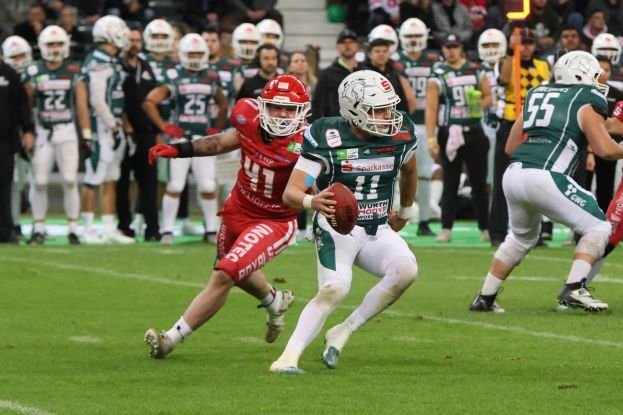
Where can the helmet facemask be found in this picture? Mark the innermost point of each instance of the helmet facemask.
(377, 125)
(278, 126)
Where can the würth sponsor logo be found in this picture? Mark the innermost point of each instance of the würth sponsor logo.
(368, 210)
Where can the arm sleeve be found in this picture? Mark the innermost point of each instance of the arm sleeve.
(97, 94)
(311, 167)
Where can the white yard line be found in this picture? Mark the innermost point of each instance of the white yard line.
(28, 410)
(488, 326)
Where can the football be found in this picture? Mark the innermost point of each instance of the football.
(346, 209)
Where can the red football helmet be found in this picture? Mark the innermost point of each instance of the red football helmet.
(285, 91)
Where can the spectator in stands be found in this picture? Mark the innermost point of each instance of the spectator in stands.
(419, 9)
(570, 40)
(33, 25)
(545, 22)
(68, 19)
(568, 13)
(452, 18)
(266, 58)
(613, 11)
(299, 67)
(325, 99)
(595, 25)
(254, 11)
(478, 11)
(384, 12)
(53, 8)
(91, 9)
(378, 60)
(199, 13)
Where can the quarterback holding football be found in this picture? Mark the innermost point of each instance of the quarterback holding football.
(364, 149)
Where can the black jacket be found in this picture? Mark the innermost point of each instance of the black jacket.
(16, 113)
(137, 84)
(252, 87)
(325, 100)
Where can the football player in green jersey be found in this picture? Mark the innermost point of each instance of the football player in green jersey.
(190, 86)
(364, 149)
(245, 40)
(558, 120)
(417, 65)
(608, 45)
(104, 77)
(50, 85)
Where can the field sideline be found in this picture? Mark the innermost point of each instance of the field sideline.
(73, 320)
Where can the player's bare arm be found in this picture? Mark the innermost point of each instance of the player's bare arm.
(514, 138)
(408, 188)
(221, 101)
(150, 105)
(409, 94)
(295, 196)
(594, 127)
(430, 118)
(30, 93)
(213, 145)
(486, 100)
(82, 109)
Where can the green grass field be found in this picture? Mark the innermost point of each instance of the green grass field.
(73, 320)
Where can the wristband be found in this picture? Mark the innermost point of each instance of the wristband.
(307, 201)
(185, 149)
(432, 139)
(86, 134)
(405, 213)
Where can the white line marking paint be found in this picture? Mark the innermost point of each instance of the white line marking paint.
(598, 278)
(86, 339)
(488, 326)
(28, 410)
(252, 340)
(412, 339)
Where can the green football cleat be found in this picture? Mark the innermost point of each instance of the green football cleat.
(330, 357)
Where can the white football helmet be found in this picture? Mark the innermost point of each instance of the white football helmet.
(607, 45)
(158, 27)
(386, 32)
(363, 93)
(270, 27)
(246, 32)
(413, 35)
(53, 34)
(111, 29)
(14, 46)
(579, 67)
(492, 55)
(193, 43)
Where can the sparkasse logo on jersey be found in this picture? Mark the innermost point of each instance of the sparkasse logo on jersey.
(368, 165)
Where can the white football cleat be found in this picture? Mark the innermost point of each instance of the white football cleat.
(92, 238)
(275, 319)
(159, 344)
(335, 340)
(190, 229)
(117, 236)
(166, 238)
(285, 367)
(138, 225)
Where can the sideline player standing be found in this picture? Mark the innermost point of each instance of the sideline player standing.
(364, 149)
(558, 120)
(256, 225)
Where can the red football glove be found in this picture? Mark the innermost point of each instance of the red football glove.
(617, 112)
(212, 131)
(615, 212)
(161, 150)
(173, 130)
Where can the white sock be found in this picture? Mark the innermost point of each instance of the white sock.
(270, 298)
(88, 217)
(594, 270)
(72, 226)
(208, 207)
(39, 227)
(39, 202)
(16, 202)
(375, 301)
(579, 270)
(179, 331)
(491, 285)
(109, 224)
(422, 198)
(170, 206)
(436, 189)
(71, 201)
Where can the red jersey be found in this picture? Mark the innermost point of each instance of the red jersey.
(265, 167)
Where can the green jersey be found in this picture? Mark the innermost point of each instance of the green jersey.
(417, 72)
(227, 69)
(159, 68)
(367, 168)
(489, 115)
(190, 95)
(552, 136)
(454, 85)
(53, 92)
(104, 71)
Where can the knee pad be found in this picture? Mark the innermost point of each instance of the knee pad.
(512, 252)
(331, 293)
(593, 243)
(206, 186)
(176, 186)
(400, 274)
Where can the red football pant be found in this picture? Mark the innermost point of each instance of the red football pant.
(614, 216)
(245, 245)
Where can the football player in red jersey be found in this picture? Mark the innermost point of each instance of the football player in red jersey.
(256, 226)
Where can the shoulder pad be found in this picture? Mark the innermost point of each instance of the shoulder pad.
(32, 69)
(172, 73)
